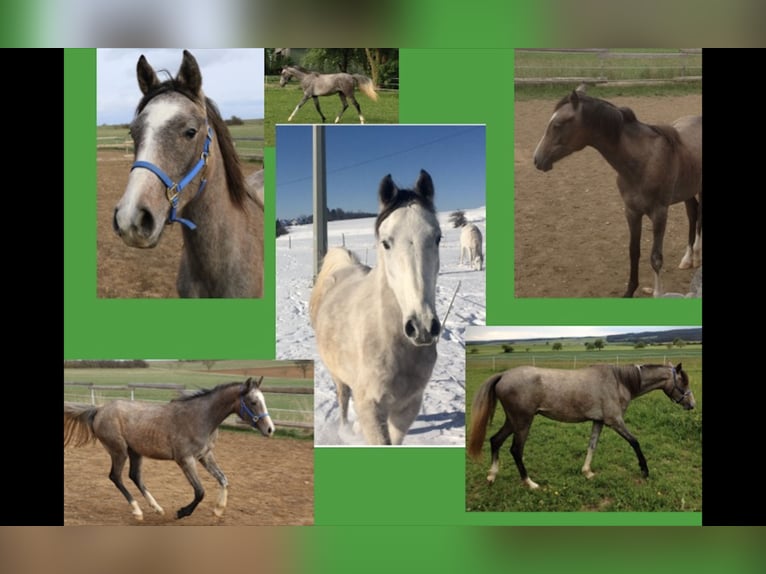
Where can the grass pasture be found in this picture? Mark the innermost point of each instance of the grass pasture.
(619, 72)
(670, 438)
(280, 103)
(199, 375)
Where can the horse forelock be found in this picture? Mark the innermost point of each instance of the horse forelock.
(171, 85)
(403, 198)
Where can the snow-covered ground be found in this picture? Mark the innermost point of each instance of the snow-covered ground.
(442, 417)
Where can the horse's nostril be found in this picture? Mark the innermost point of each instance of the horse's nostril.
(409, 328)
(146, 222)
(435, 328)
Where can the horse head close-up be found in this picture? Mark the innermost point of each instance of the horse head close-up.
(186, 170)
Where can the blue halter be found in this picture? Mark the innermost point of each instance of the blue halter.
(250, 414)
(172, 189)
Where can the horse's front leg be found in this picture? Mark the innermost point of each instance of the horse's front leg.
(373, 420)
(189, 466)
(208, 461)
(595, 433)
(634, 250)
(621, 429)
(304, 99)
(401, 418)
(659, 223)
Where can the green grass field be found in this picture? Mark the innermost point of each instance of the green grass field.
(193, 375)
(280, 103)
(626, 65)
(670, 437)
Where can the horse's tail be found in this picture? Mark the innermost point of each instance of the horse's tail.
(336, 258)
(365, 84)
(482, 410)
(78, 424)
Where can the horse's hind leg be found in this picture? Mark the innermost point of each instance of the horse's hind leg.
(135, 476)
(595, 433)
(344, 394)
(358, 108)
(496, 443)
(208, 461)
(344, 105)
(189, 466)
(659, 223)
(115, 475)
(634, 250)
(517, 450)
(694, 245)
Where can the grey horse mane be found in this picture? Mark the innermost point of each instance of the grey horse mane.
(205, 392)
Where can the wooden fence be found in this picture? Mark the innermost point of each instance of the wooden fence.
(94, 393)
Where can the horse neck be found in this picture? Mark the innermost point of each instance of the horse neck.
(652, 378)
(215, 407)
(622, 153)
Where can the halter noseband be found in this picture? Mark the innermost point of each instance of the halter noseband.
(172, 189)
(243, 408)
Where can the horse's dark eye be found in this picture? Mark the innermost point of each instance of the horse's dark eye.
(386, 244)
(438, 239)
(190, 133)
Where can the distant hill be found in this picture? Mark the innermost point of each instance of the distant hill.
(689, 335)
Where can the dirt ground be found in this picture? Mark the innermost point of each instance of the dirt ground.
(571, 236)
(128, 272)
(271, 482)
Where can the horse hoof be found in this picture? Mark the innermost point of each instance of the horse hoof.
(218, 512)
(491, 480)
(647, 290)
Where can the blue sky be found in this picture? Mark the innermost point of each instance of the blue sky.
(477, 334)
(358, 157)
(233, 79)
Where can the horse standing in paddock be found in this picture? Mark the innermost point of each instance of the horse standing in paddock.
(377, 329)
(656, 166)
(315, 84)
(471, 246)
(183, 430)
(599, 393)
(187, 170)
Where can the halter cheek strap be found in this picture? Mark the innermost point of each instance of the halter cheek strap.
(172, 189)
(685, 393)
(245, 410)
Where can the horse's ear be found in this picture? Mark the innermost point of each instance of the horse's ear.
(581, 88)
(147, 79)
(678, 367)
(425, 185)
(189, 73)
(574, 99)
(258, 382)
(387, 190)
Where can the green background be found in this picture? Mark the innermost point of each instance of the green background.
(384, 509)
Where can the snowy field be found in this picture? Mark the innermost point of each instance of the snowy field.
(442, 417)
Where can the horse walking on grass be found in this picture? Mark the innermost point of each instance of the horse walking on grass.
(315, 84)
(600, 393)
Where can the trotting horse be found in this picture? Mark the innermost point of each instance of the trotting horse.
(657, 166)
(183, 430)
(600, 393)
(315, 84)
(187, 170)
(377, 329)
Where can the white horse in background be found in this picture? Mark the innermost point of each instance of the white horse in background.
(377, 328)
(470, 246)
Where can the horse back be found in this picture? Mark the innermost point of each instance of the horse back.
(338, 266)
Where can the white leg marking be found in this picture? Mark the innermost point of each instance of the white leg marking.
(528, 482)
(153, 503)
(686, 260)
(137, 511)
(493, 472)
(697, 251)
(221, 505)
(657, 285)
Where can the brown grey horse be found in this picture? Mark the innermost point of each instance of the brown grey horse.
(657, 166)
(376, 329)
(600, 393)
(187, 170)
(315, 84)
(183, 430)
